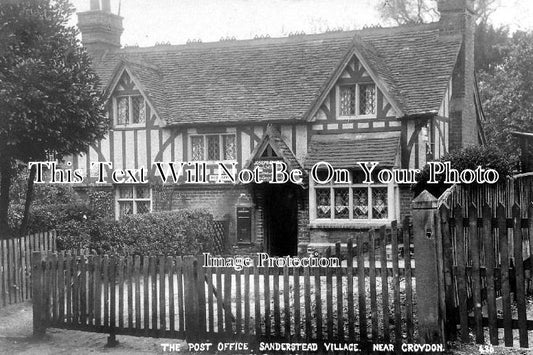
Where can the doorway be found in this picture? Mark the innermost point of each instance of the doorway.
(281, 219)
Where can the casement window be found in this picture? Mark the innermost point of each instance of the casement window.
(133, 199)
(354, 201)
(129, 110)
(213, 147)
(357, 100)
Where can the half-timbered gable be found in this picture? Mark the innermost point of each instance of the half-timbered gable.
(400, 96)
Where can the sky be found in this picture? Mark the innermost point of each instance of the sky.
(176, 21)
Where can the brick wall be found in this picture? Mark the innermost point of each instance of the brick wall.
(219, 200)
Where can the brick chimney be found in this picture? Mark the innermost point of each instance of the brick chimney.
(457, 17)
(100, 29)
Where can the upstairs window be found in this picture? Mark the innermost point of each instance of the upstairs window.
(357, 100)
(130, 110)
(213, 147)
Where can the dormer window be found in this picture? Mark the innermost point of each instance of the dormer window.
(130, 109)
(357, 100)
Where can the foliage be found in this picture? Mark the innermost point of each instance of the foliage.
(181, 232)
(101, 202)
(49, 98)
(491, 46)
(507, 95)
(399, 12)
(467, 158)
(43, 218)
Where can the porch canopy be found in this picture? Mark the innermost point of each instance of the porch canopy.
(346, 150)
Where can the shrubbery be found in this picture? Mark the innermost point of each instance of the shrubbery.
(180, 232)
(163, 233)
(467, 158)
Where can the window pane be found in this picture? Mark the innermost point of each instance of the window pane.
(213, 148)
(367, 99)
(137, 106)
(229, 147)
(126, 207)
(142, 192)
(143, 207)
(342, 204)
(347, 100)
(379, 203)
(360, 203)
(125, 192)
(197, 144)
(123, 108)
(323, 203)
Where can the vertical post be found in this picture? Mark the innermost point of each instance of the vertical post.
(39, 326)
(428, 277)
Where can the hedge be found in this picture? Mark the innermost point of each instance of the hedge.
(471, 157)
(182, 232)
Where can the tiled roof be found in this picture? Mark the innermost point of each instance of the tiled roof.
(279, 79)
(345, 150)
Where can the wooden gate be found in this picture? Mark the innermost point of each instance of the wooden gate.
(487, 254)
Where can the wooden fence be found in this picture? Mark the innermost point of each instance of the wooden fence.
(489, 258)
(366, 298)
(517, 189)
(15, 265)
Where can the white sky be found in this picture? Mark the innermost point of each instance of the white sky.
(147, 22)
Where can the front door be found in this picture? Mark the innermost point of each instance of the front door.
(281, 219)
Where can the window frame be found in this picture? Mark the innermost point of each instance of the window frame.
(333, 221)
(133, 199)
(130, 110)
(221, 151)
(357, 101)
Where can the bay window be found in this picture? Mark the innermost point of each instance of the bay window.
(354, 201)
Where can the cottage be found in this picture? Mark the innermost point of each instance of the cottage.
(400, 96)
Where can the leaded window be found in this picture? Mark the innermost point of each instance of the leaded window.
(367, 99)
(197, 144)
(130, 110)
(357, 100)
(354, 200)
(228, 142)
(213, 147)
(379, 203)
(323, 203)
(347, 100)
(133, 199)
(342, 203)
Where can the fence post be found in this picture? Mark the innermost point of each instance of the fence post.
(428, 277)
(39, 307)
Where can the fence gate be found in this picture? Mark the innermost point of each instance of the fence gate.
(487, 267)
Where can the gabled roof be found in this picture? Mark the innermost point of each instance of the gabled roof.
(273, 138)
(279, 79)
(346, 150)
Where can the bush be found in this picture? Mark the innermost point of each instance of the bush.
(183, 232)
(43, 218)
(467, 158)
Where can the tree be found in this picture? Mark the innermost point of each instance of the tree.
(507, 94)
(401, 12)
(50, 101)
